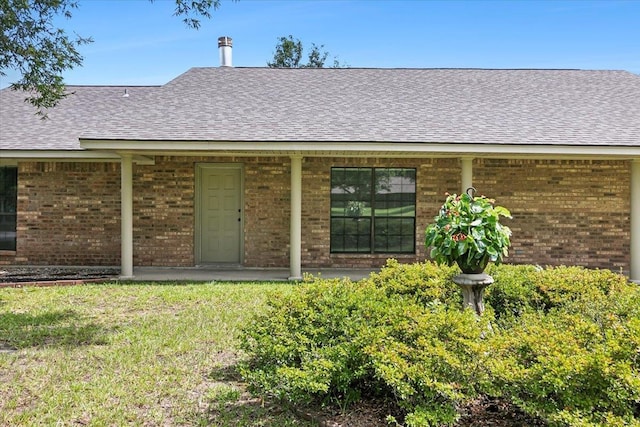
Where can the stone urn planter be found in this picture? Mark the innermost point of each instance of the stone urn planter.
(472, 287)
(467, 232)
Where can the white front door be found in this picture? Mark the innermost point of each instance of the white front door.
(219, 218)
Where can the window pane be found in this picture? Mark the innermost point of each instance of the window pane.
(395, 192)
(396, 181)
(351, 192)
(350, 235)
(395, 235)
(8, 207)
(400, 208)
(351, 184)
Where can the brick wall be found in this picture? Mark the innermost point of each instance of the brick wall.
(68, 214)
(565, 212)
(163, 213)
(267, 207)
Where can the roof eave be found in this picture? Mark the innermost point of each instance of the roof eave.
(393, 149)
(14, 156)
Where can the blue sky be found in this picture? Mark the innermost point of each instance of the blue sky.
(138, 42)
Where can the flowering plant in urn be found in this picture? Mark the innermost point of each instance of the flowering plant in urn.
(467, 231)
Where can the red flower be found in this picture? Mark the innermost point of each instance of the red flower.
(458, 237)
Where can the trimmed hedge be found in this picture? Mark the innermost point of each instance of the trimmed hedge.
(572, 355)
(563, 344)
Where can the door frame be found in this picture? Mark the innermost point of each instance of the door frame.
(200, 168)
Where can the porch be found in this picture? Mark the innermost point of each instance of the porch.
(239, 274)
(19, 276)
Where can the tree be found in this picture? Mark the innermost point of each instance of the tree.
(31, 45)
(288, 54)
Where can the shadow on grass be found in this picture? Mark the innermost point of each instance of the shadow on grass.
(245, 410)
(53, 328)
(226, 372)
(228, 403)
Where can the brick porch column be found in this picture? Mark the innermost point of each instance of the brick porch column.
(466, 178)
(634, 268)
(126, 217)
(295, 238)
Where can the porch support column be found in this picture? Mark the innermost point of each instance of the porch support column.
(634, 268)
(466, 173)
(295, 239)
(126, 217)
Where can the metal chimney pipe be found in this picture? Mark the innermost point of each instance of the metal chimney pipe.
(224, 46)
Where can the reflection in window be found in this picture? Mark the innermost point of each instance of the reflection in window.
(373, 210)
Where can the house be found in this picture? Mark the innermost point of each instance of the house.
(308, 168)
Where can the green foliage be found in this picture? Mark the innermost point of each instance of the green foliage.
(40, 52)
(564, 286)
(430, 360)
(32, 45)
(335, 341)
(427, 282)
(567, 347)
(513, 292)
(190, 10)
(307, 344)
(568, 368)
(288, 54)
(467, 231)
(518, 289)
(564, 344)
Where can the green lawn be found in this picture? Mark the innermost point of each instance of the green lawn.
(144, 354)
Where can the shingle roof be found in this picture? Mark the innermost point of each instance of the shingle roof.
(565, 107)
(87, 109)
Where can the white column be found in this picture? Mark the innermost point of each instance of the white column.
(295, 239)
(634, 268)
(467, 173)
(126, 217)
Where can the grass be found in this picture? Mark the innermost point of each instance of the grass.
(143, 354)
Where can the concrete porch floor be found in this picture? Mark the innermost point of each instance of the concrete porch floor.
(239, 274)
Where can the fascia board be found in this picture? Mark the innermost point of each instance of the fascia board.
(12, 157)
(332, 148)
(58, 155)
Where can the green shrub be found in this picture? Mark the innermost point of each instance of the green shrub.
(518, 289)
(307, 345)
(513, 292)
(573, 355)
(335, 341)
(427, 281)
(562, 286)
(431, 360)
(564, 345)
(567, 369)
